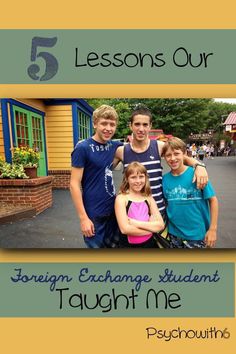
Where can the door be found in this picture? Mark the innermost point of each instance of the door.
(29, 131)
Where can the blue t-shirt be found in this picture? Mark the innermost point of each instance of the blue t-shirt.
(187, 207)
(97, 182)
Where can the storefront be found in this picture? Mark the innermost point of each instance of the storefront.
(52, 126)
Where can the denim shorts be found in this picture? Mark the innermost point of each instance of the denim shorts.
(106, 232)
(178, 242)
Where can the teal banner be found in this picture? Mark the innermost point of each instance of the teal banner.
(117, 57)
(117, 290)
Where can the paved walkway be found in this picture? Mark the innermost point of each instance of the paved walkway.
(58, 227)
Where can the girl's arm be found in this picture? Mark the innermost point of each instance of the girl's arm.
(155, 223)
(122, 219)
(210, 237)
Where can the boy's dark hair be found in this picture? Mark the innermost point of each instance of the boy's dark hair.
(174, 144)
(141, 109)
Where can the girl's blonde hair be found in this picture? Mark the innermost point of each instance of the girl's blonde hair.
(135, 167)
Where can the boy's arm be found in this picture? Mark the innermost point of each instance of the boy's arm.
(155, 223)
(118, 156)
(210, 237)
(87, 226)
(200, 174)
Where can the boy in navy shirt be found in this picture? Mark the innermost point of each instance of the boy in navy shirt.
(92, 161)
(192, 213)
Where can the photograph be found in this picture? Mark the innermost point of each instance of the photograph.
(117, 173)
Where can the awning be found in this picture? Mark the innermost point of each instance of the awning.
(231, 119)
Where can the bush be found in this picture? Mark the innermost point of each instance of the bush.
(12, 171)
(2, 161)
(25, 156)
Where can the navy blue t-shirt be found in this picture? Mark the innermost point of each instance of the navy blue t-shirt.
(97, 182)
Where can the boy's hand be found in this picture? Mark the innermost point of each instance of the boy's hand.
(87, 227)
(210, 238)
(200, 177)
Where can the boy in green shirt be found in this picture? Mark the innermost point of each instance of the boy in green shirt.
(192, 213)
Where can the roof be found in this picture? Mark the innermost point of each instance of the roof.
(231, 119)
(80, 101)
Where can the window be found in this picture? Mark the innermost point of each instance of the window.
(22, 128)
(84, 125)
(28, 127)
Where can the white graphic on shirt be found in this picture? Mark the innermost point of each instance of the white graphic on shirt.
(180, 193)
(109, 184)
(94, 147)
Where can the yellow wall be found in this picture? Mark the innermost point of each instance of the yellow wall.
(59, 133)
(59, 136)
(38, 104)
(2, 152)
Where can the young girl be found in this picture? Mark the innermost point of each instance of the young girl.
(136, 211)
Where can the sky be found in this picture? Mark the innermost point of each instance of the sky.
(226, 100)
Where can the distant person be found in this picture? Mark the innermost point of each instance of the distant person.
(193, 150)
(91, 185)
(207, 150)
(136, 210)
(227, 151)
(220, 151)
(212, 151)
(201, 153)
(192, 213)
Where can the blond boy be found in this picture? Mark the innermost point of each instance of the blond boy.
(91, 185)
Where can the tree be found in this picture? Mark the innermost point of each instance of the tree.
(218, 112)
(123, 109)
(177, 116)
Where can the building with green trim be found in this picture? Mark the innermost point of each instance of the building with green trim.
(52, 126)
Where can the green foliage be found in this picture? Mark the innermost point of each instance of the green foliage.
(221, 136)
(25, 156)
(2, 161)
(123, 108)
(12, 171)
(176, 116)
(218, 112)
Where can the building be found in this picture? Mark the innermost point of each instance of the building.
(53, 126)
(154, 134)
(230, 126)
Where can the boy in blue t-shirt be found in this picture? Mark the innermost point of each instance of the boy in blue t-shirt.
(192, 213)
(91, 185)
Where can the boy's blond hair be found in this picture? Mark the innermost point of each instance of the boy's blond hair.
(174, 144)
(106, 112)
